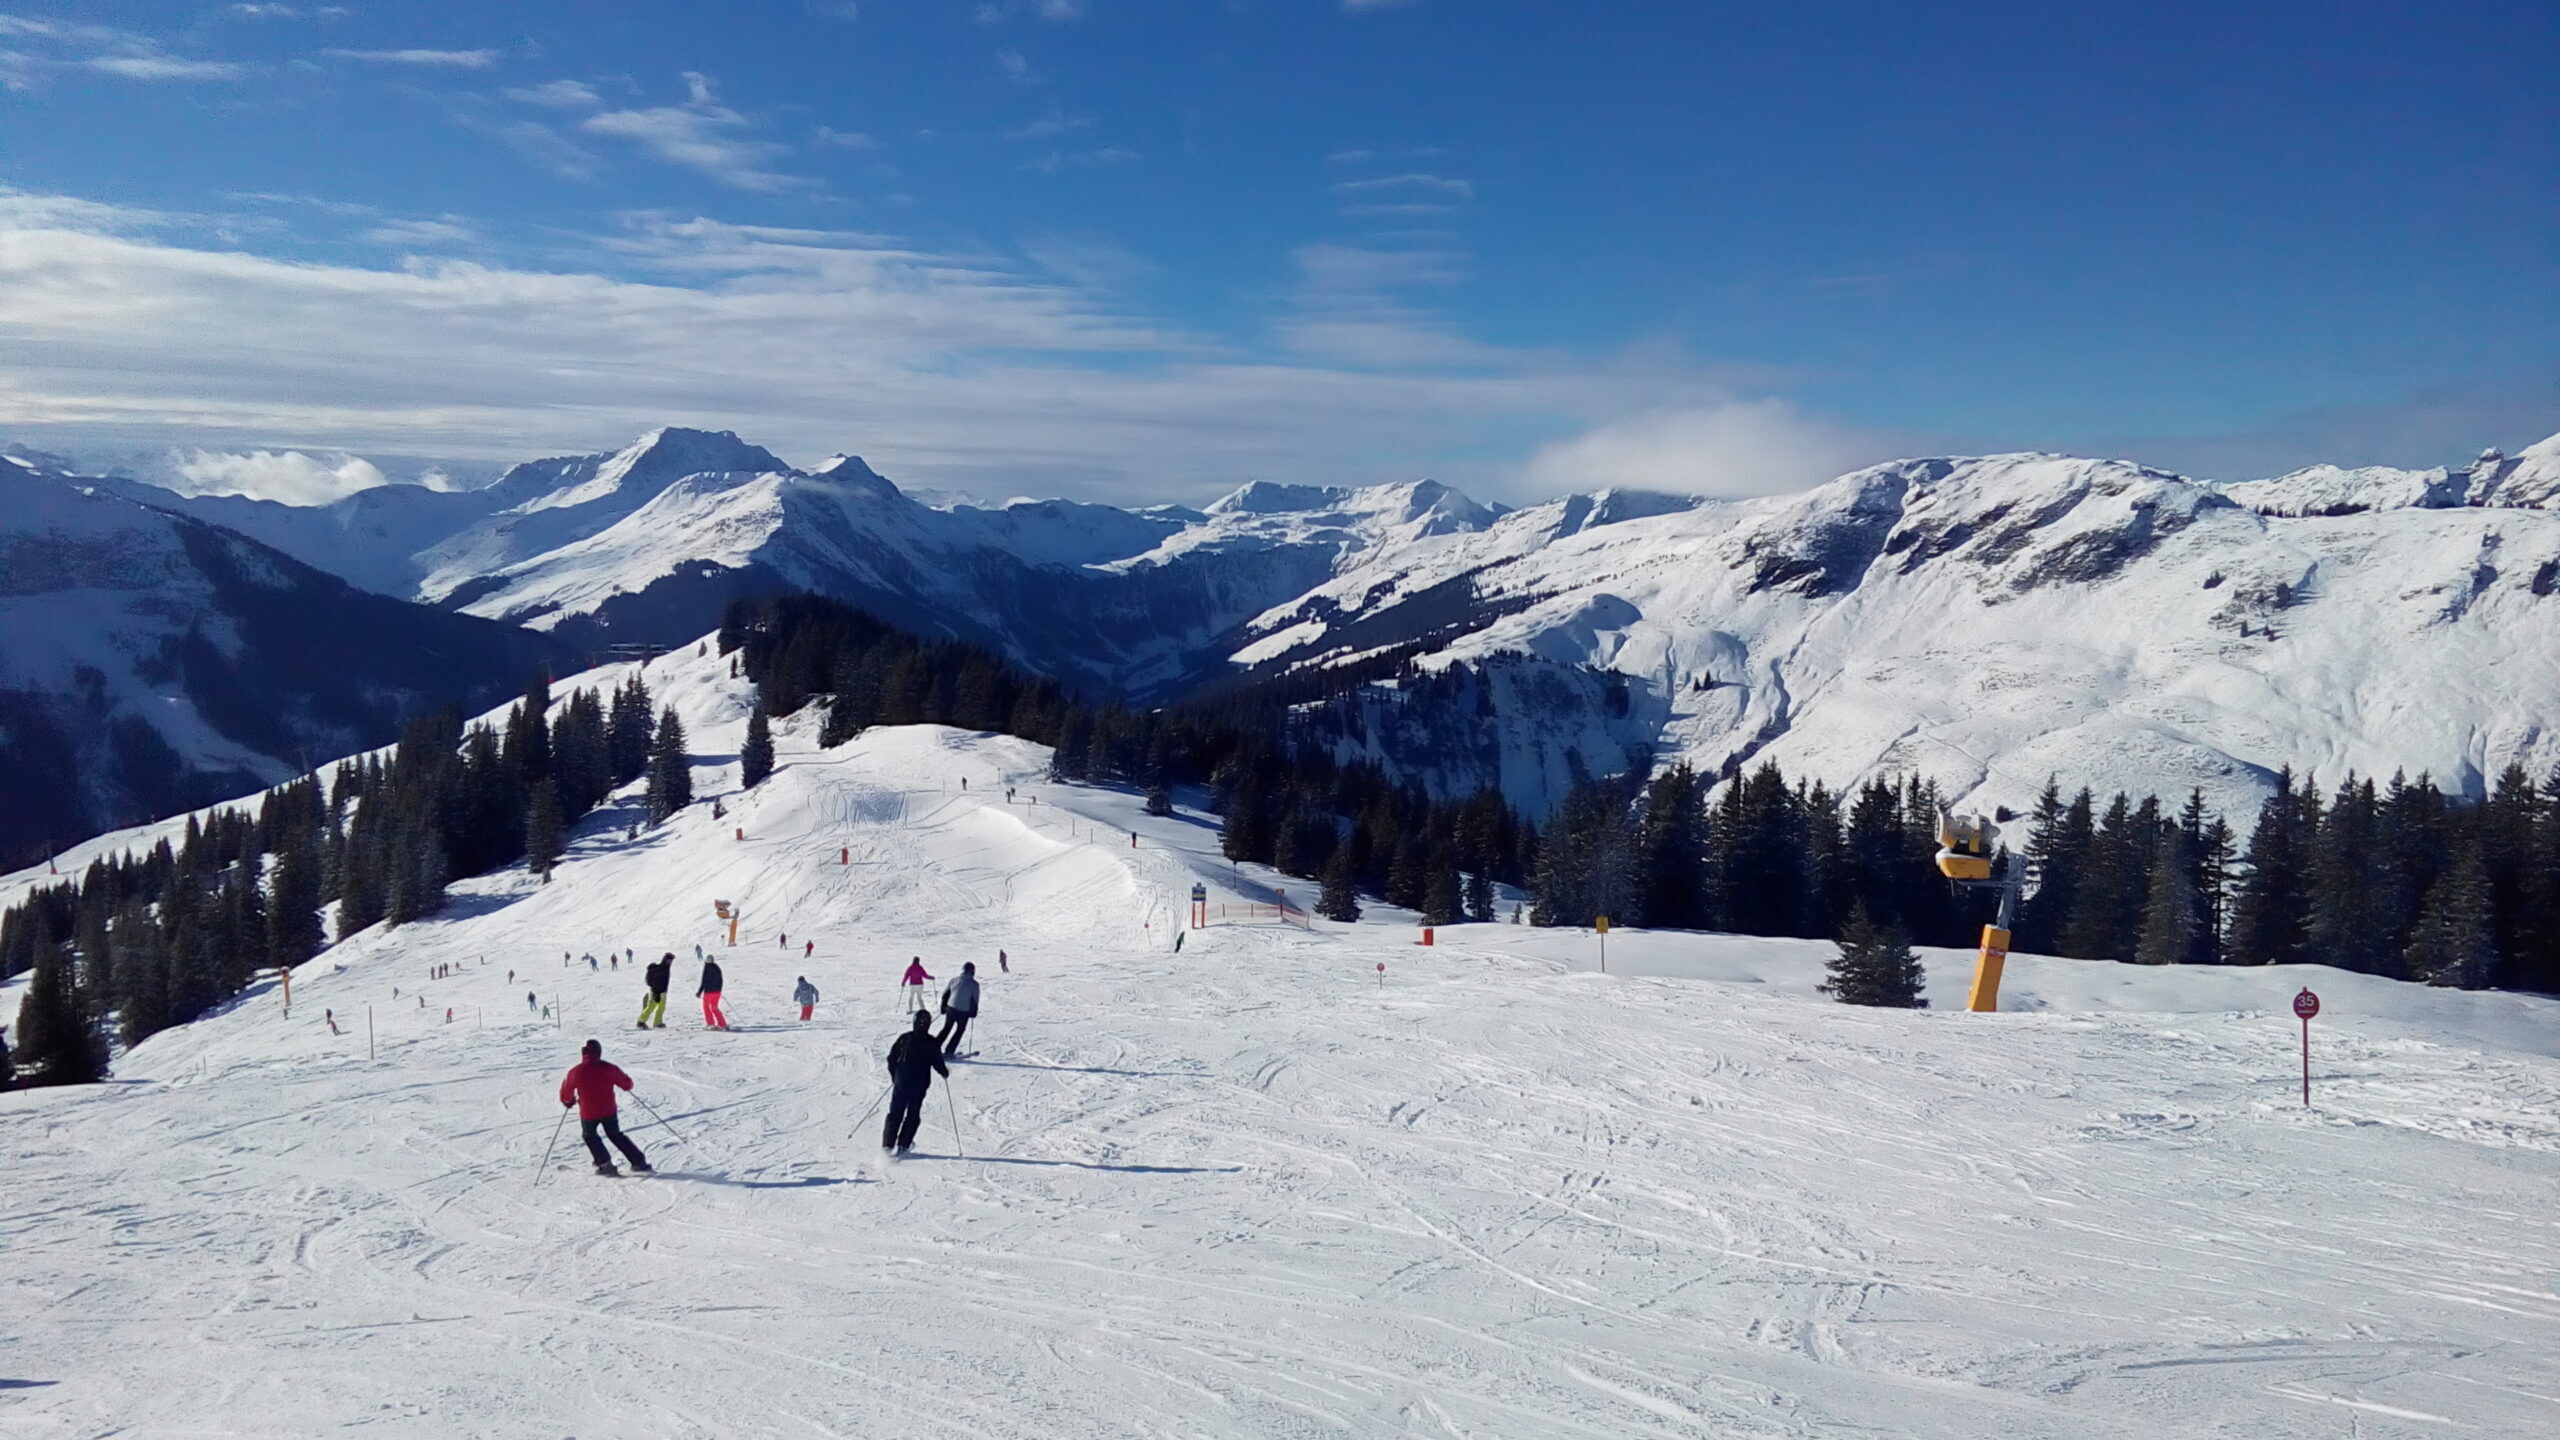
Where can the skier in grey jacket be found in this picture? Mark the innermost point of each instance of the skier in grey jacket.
(959, 1007)
(806, 995)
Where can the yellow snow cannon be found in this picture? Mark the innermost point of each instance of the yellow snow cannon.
(1965, 843)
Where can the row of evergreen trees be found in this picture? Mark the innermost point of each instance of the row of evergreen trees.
(2401, 880)
(142, 942)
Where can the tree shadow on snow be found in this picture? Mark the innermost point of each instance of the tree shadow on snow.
(805, 1182)
(1086, 1165)
(26, 1384)
(1085, 1070)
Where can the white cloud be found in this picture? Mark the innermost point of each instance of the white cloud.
(1726, 447)
(163, 67)
(538, 145)
(1050, 127)
(422, 232)
(558, 95)
(1012, 64)
(843, 139)
(287, 475)
(700, 134)
(263, 12)
(1079, 159)
(1413, 186)
(433, 59)
(953, 370)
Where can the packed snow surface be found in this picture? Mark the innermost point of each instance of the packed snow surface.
(1262, 1187)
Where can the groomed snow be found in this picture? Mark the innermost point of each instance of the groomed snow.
(1256, 1189)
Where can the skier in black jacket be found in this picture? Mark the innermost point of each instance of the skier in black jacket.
(653, 1005)
(913, 1062)
(709, 990)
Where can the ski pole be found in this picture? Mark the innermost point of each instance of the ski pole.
(661, 1119)
(955, 1118)
(868, 1109)
(555, 1141)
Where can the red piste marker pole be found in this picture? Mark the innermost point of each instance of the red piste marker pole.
(2306, 1005)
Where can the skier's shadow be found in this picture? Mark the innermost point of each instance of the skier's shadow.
(26, 1384)
(1086, 1165)
(805, 1182)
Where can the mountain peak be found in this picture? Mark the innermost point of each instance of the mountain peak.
(1273, 497)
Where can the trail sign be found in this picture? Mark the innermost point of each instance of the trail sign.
(2306, 1005)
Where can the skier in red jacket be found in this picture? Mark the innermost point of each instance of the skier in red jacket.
(589, 1085)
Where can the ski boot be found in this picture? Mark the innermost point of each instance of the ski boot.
(606, 1168)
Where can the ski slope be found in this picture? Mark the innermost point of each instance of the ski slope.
(1260, 1188)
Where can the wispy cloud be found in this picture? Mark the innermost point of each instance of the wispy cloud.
(558, 95)
(537, 144)
(1056, 12)
(1057, 160)
(431, 59)
(701, 135)
(447, 231)
(1415, 186)
(1720, 445)
(1357, 7)
(163, 67)
(1012, 63)
(959, 370)
(1050, 127)
(262, 12)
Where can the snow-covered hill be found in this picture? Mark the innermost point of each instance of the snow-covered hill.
(1990, 621)
(150, 662)
(1279, 1183)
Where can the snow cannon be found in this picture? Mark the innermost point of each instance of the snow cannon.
(1965, 844)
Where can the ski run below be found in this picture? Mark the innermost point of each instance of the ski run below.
(1259, 1187)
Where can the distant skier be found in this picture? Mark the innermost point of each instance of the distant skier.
(807, 995)
(589, 1085)
(653, 1004)
(959, 1007)
(809, 949)
(911, 989)
(591, 964)
(1001, 965)
(709, 990)
(782, 941)
(9, 1069)
(914, 1060)
(530, 1003)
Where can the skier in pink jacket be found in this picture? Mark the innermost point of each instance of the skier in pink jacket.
(911, 989)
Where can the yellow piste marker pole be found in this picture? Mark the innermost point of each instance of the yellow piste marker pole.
(1987, 967)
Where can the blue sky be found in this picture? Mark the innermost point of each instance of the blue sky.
(1148, 250)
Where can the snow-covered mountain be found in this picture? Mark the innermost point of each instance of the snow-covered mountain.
(1988, 620)
(150, 661)
(1993, 621)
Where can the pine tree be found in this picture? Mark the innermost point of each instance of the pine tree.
(755, 758)
(56, 1043)
(670, 770)
(2268, 907)
(1875, 966)
(1441, 896)
(1337, 901)
(542, 833)
(1671, 853)
(1160, 798)
(1479, 896)
(2454, 943)
(2171, 914)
